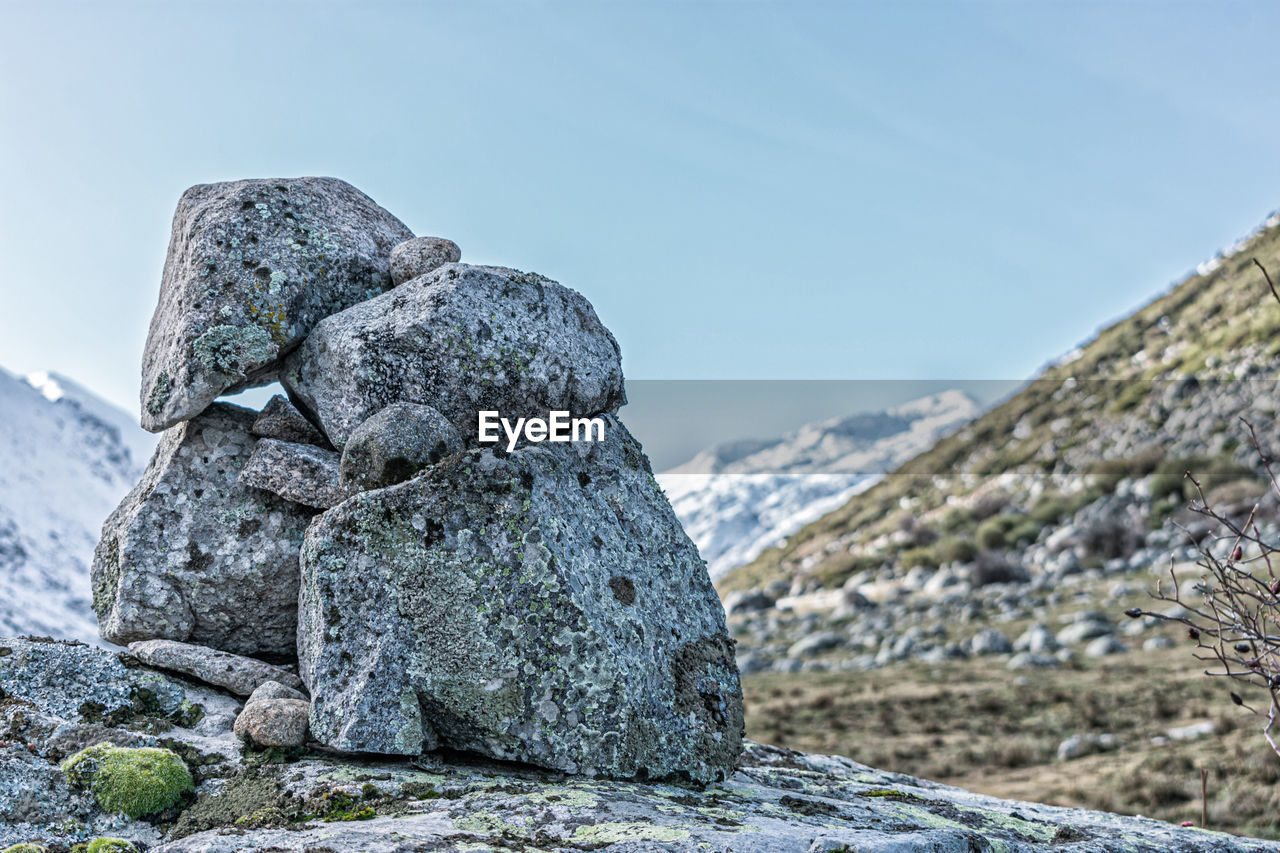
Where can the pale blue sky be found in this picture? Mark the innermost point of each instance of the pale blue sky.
(743, 190)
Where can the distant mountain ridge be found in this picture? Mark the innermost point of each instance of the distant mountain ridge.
(738, 498)
(1097, 440)
(67, 457)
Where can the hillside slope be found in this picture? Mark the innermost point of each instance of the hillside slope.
(739, 498)
(67, 457)
(1082, 468)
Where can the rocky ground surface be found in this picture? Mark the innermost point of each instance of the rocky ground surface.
(1051, 619)
(60, 698)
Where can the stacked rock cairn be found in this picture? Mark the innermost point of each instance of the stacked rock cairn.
(540, 605)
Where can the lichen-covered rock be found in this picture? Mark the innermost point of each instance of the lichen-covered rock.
(76, 682)
(274, 722)
(237, 673)
(462, 339)
(420, 256)
(32, 791)
(252, 267)
(302, 473)
(395, 444)
(63, 697)
(134, 782)
(281, 419)
(191, 555)
(543, 606)
(778, 802)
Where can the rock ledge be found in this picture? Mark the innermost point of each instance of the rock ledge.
(778, 801)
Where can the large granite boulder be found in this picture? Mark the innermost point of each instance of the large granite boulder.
(192, 555)
(543, 606)
(252, 267)
(461, 339)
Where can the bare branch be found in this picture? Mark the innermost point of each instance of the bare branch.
(1267, 276)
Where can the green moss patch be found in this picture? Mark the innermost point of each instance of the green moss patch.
(105, 845)
(134, 782)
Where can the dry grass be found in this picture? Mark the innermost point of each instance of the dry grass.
(977, 725)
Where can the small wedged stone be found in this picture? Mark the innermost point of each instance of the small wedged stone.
(191, 555)
(301, 473)
(237, 673)
(281, 419)
(461, 340)
(274, 690)
(542, 606)
(395, 444)
(273, 722)
(420, 256)
(252, 266)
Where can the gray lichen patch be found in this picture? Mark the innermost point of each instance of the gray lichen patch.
(233, 351)
(76, 682)
(158, 397)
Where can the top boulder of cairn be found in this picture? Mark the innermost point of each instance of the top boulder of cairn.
(252, 266)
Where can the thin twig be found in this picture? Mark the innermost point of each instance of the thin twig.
(1268, 278)
(1204, 798)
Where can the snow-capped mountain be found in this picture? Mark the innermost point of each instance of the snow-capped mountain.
(739, 498)
(67, 457)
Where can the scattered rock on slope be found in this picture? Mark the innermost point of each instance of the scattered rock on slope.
(252, 266)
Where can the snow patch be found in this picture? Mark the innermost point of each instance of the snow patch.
(67, 458)
(737, 499)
